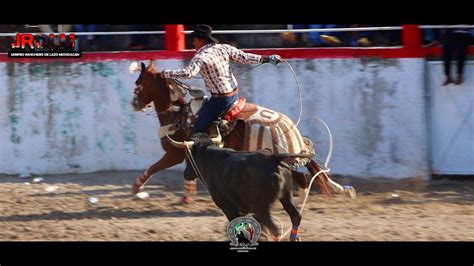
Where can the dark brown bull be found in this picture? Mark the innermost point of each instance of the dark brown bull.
(150, 87)
(242, 183)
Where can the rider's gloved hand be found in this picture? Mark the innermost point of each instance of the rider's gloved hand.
(273, 59)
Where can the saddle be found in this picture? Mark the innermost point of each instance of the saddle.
(227, 119)
(237, 107)
(266, 131)
(199, 99)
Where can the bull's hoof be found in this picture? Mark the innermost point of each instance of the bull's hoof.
(297, 239)
(186, 200)
(350, 192)
(136, 189)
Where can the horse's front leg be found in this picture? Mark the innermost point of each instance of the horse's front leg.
(190, 187)
(168, 160)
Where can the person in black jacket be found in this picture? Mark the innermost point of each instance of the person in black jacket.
(455, 42)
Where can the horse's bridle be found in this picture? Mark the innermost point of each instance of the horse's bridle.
(175, 92)
(137, 101)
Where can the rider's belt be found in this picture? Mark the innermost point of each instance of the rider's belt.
(232, 93)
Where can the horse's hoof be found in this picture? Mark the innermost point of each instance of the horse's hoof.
(350, 192)
(136, 189)
(186, 200)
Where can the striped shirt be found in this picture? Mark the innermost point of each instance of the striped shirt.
(212, 61)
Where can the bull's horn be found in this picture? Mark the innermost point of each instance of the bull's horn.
(218, 139)
(178, 144)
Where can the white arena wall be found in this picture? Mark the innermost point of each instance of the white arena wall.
(76, 117)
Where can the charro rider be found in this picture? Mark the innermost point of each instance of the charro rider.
(212, 61)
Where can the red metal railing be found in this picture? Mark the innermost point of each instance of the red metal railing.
(175, 49)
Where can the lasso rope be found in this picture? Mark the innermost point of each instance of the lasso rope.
(326, 163)
(328, 158)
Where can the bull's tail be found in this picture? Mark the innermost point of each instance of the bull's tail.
(292, 155)
(288, 159)
(322, 180)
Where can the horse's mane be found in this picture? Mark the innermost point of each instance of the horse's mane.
(152, 70)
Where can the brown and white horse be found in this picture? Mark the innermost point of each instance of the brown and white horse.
(257, 128)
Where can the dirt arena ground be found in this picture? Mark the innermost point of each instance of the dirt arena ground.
(425, 210)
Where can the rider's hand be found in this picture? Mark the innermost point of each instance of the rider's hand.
(273, 59)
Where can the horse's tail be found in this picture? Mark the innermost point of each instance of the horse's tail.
(322, 180)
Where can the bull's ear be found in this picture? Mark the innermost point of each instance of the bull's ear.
(143, 66)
